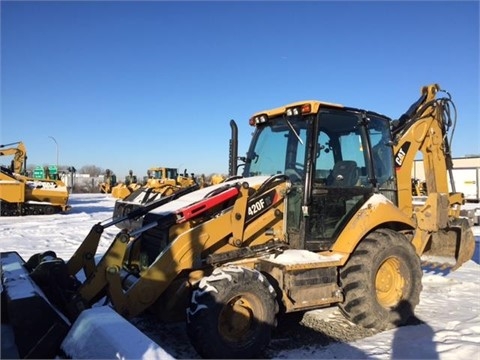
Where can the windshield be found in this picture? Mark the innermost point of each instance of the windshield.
(339, 150)
(276, 148)
(172, 173)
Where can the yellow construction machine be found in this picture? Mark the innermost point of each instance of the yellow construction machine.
(419, 187)
(123, 189)
(109, 182)
(160, 182)
(18, 164)
(23, 195)
(165, 181)
(213, 179)
(322, 216)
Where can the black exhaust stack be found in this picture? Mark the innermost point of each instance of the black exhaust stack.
(233, 150)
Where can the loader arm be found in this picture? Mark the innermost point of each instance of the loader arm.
(188, 245)
(229, 217)
(84, 256)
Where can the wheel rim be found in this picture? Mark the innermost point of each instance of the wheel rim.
(389, 283)
(236, 318)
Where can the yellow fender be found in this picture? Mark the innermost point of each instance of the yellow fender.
(376, 211)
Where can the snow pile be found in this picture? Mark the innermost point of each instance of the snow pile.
(101, 333)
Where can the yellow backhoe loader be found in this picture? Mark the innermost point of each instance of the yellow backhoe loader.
(23, 195)
(322, 216)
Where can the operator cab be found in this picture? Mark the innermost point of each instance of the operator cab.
(335, 157)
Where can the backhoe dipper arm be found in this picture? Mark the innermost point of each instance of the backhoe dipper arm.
(441, 235)
(423, 131)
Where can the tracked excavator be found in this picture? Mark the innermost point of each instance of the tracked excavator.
(321, 216)
(23, 195)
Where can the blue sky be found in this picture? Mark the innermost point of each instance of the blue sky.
(132, 85)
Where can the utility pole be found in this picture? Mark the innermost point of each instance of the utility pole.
(56, 144)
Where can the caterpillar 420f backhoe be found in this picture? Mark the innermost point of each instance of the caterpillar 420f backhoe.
(22, 195)
(322, 216)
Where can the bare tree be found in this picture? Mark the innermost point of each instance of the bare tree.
(92, 170)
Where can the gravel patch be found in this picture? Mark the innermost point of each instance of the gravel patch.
(294, 331)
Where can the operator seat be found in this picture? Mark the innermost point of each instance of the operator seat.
(344, 174)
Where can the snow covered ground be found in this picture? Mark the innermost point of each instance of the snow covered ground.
(448, 314)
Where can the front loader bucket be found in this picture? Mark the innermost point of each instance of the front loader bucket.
(42, 332)
(38, 327)
(117, 338)
(451, 247)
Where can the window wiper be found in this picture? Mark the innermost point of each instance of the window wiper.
(294, 131)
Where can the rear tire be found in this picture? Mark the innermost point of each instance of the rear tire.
(382, 281)
(232, 314)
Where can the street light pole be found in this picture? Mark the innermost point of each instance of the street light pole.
(56, 144)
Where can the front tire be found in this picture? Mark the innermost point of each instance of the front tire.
(232, 314)
(382, 281)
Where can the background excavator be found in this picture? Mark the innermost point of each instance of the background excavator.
(23, 195)
(321, 216)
